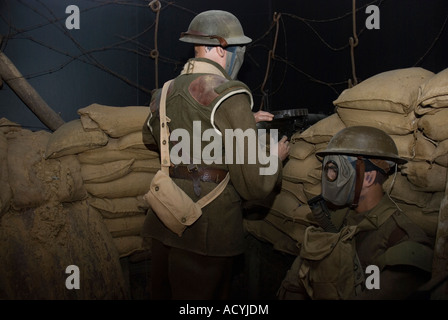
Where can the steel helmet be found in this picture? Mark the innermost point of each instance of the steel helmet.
(365, 141)
(216, 28)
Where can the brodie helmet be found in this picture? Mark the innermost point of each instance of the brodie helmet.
(365, 141)
(216, 28)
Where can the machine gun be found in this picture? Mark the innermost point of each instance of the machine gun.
(290, 121)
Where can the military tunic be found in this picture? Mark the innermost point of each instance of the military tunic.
(383, 237)
(387, 238)
(204, 92)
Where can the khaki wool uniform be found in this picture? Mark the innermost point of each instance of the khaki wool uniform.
(387, 238)
(384, 237)
(204, 92)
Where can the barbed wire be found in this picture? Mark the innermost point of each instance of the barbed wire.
(133, 45)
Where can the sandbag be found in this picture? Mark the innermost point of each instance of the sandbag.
(402, 190)
(62, 177)
(323, 130)
(286, 205)
(405, 145)
(299, 148)
(424, 147)
(132, 185)
(119, 207)
(312, 190)
(414, 146)
(128, 245)
(130, 140)
(105, 154)
(296, 189)
(97, 173)
(440, 155)
(114, 121)
(425, 176)
(146, 165)
(25, 150)
(393, 91)
(442, 160)
(125, 226)
(389, 122)
(38, 244)
(434, 92)
(434, 125)
(433, 206)
(9, 126)
(306, 170)
(71, 138)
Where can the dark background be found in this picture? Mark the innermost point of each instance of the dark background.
(108, 61)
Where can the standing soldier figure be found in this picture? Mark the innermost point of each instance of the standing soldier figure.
(198, 265)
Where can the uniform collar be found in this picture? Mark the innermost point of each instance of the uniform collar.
(375, 217)
(203, 65)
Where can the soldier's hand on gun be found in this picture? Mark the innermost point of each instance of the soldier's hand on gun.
(283, 148)
(263, 116)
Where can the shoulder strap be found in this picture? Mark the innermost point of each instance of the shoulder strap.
(205, 200)
(164, 131)
(165, 152)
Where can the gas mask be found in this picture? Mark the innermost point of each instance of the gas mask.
(339, 179)
(234, 60)
(342, 177)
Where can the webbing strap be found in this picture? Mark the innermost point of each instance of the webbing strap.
(360, 170)
(165, 162)
(164, 132)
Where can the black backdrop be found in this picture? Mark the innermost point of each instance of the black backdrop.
(108, 60)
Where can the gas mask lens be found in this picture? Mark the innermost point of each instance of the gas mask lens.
(331, 171)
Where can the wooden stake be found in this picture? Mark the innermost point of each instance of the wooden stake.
(26, 93)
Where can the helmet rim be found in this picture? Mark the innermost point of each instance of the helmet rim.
(365, 141)
(216, 28)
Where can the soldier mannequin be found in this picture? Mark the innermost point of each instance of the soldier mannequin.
(198, 265)
(356, 163)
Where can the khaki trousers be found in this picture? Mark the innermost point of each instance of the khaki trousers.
(182, 275)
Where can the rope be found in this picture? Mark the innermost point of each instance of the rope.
(154, 54)
(271, 56)
(353, 41)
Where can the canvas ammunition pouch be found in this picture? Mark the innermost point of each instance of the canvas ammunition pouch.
(330, 269)
(169, 202)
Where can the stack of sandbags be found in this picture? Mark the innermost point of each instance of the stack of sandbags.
(279, 219)
(432, 113)
(287, 213)
(46, 224)
(118, 173)
(388, 101)
(32, 179)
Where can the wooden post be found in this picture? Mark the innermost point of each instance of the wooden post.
(26, 93)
